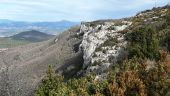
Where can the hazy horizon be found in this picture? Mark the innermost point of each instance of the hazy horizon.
(1, 19)
(72, 10)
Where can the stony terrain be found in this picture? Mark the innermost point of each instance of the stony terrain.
(103, 43)
(23, 67)
(92, 47)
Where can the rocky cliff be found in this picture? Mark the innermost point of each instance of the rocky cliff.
(92, 47)
(83, 49)
(103, 43)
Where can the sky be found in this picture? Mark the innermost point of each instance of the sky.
(73, 10)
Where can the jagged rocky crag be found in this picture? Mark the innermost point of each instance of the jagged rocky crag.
(90, 47)
(22, 68)
(103, 44)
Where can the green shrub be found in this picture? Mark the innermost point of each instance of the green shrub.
(127, 79)
(168, 17)
(110, 42)
(95, 63)
(52, 85)
(143, 42)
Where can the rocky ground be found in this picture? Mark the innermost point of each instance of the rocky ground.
(102, 44)
(92, 47)
(84, 47)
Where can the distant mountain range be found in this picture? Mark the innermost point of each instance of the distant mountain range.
(9, 27)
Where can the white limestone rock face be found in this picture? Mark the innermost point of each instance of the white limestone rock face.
(93, 38)
(96, 36)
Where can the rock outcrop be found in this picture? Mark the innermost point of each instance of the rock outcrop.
(103, 44)
(86, 47)
(92, 47)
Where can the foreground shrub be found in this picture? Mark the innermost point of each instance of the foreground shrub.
(131, 78)
(143, 43)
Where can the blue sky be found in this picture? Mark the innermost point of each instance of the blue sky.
(73, 10)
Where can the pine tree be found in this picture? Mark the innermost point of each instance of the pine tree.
(52, 85)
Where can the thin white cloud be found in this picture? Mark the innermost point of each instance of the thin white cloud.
(4, 0)
(50, 10)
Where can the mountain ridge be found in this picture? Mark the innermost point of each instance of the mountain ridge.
(9, 28)
(92, 47)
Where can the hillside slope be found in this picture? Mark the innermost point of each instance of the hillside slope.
(126, 57)
(92, 48)
(109, 42)
(22, 68)
(9, 43)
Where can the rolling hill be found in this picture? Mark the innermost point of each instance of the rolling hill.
(32, 36)
(24, 38)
